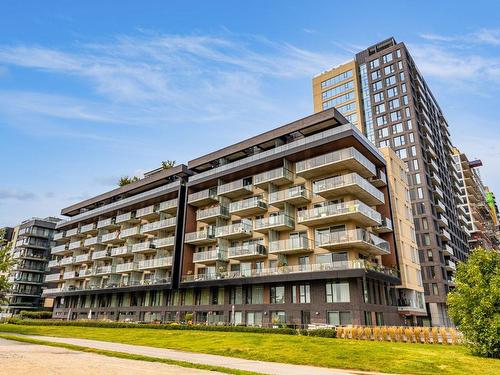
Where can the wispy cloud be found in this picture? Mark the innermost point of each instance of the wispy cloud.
(16, 195)
(483, 36)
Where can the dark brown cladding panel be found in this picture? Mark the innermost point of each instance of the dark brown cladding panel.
(331, 115)
(137, 187)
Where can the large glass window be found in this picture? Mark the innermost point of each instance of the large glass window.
(301, 293)
(337, 292)
(254, 318)
(338, 318)
(277, 294)
(336, 79)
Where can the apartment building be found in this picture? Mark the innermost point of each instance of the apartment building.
(477, 217)
(32, 241)
(410, 293)
(292, 226)
(398, 110)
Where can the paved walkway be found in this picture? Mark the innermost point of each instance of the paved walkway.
(271, 368)
(19, 358)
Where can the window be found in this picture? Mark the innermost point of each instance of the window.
(420, 193)
(377, 85)
(338, 90)
(386, 143)
(392, 92)
(435, 289)
(396, 116)
(254, 318)
(368, 318)
(277, 294)
(347, 108)
(301, 293)
(338, 100)
(398, 53)
(399, 141)
(382, 120)
(413, 149)
(401, 76)
(352, 118)
(383, 132)
(402, 153)
(387, 58)
(375, 75)
(389, 69)
(417, 178)
(411, 139)
(339, 318)
(397, 128)
(380, 109)
(394, 104)
(380, 318)
(255, 295)
(403, 88)
(278, 317)
(336, 79)
(337, 292)
(400, 65)
(374, 63)
(405, 100)
(407, 112)
(391, 80)
(378, 97)
(409, 125)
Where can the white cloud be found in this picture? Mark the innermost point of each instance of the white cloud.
(482, 36)
(15, 194)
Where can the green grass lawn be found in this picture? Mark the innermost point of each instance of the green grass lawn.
(339, 353)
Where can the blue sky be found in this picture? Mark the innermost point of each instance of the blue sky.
(93, 90)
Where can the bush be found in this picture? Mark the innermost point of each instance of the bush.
(323, 332)
(180, 327)
(36, 314)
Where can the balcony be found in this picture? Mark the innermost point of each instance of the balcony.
(60, 236)
(66, 261)
(72, 232)
(52, 277)
(76, 245)
(352, 184)
(156, 226)
(128, 217)
(210, 215)
(445, 235)
(144, 247)
(104, 270)
(379, 180)
(168, 207)
(108, 223)
(249, 206)
(442, 221)
(298, 245)
(440, 207)
(438, 193)
(200, 237)
(134, 232)
(164, 262)
(111, 238)
(385, 227)
(434, 167)
(341, 212)
(450, 266)
(296, 195)
(166, 243)
(92, 241)
(148, 213)
(102, 254)
(278, 176)
(234, 231)
(278, 222)
(435, 179)
(448, 250)
(247, 252)
(54, 264)
(126, 267)
(208, 257)
(69, 275)
(89, 228)
(235, 189)
(203, 198)
(60, 250)
(82, 258)
(336, 161)
(354, 238)
(121, 251)
(50, 291)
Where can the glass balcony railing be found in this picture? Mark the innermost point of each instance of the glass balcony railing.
(108, 237)
(104, 270)
(209, 256)
(349, 208)
(106, 223)
(88, 228)
(165, 242)
(155, 263)
(75, 245)
(277, 222)
(123, 218)
(146, 211)
(360, 238)
(276, 176)
(159, 225)
(250, 205)
(130, 232)
(168, 206)
(126, 267)
(72, 232)
(247, 251)
(102, 254)
(122, 250)
(294, 195)
(349, 183)
(143, 246)
(291, 246)
(52, 278)
(82, 258)
(227, 231)
(235, 187)
(91, 241)
(212, 213)
(203, 196)
(59, 249)
(201, 235)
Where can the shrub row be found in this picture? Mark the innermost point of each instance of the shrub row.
(173, 326)
(36, 314)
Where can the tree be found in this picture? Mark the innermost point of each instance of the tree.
(167, 164)
(474, 305)
(6, 262)
(125, 180)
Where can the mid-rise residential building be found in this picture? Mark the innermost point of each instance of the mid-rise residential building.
(31, 244)
(292, 226)
(410, 293)
(477, 216)
(398, 110)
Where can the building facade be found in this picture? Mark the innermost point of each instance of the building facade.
(292, 226)
(32, 242)
(410, 293)
(398, 110)
(479, 217)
